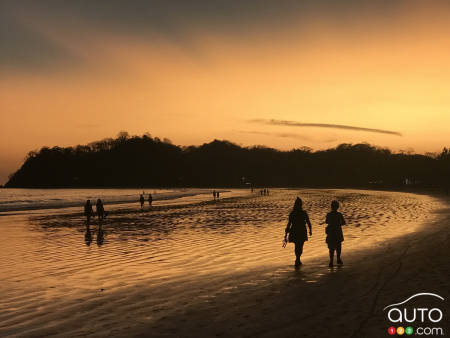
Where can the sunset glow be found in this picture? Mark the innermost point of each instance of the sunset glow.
(74, 75)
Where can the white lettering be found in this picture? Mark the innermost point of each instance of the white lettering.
(406, 317)
(421, 309)
(435, 310)
(399, 319)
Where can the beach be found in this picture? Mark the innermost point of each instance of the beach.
(193, 267)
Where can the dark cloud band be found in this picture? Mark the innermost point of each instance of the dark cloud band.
(324, 125)
(23, 46)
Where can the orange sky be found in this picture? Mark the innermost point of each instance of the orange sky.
(370, 67)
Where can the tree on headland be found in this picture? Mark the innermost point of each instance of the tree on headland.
(136, 161)
(444, 166)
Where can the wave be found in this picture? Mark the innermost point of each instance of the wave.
(20, 199)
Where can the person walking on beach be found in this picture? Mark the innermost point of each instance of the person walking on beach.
(100, 210)
(150, 200)
(142, 200)
(296, 228)
(88, 212)
(217, 194)
(335, 237)
(214, 194)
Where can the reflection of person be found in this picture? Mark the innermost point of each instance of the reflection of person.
(100, 235)
(141, 200)
(100, 209)
(88, 212)
(296, 228)
(335, 237)
(88, 236)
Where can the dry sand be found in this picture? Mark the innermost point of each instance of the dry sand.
(226, 283)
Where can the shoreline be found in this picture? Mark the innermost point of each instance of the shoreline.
(237, 300)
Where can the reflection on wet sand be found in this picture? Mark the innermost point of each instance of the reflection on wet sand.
(181, 254)
(88, 235)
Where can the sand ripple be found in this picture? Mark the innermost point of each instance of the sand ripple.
(181, 254)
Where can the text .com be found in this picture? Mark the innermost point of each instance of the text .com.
(419, 331)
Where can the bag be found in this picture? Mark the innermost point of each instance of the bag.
(291, 237)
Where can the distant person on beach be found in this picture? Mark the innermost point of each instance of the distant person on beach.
(296, 228)
(214, 194)
(100, 210)
(217, 194)
(88, 212)
(150, 200)
(142, 200)
(335, 237)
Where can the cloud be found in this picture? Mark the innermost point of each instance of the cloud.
(23, 46)
(323, 125)
(284, 135)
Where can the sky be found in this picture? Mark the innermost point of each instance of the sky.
(283, 74)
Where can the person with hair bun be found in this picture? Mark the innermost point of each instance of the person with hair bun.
(335, 237)
(296, 228)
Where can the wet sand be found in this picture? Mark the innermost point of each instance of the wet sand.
(218, 269)
(346, 301)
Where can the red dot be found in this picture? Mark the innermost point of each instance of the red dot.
(392, 330)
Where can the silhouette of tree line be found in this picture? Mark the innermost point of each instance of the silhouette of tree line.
(134, 161)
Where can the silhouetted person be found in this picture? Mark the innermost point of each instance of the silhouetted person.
(100, 210)
(214, 194)
(100, 235)
(296, 228)
(88, 235)
(267, 192)
(335, 237)
(150, 200)
(142, 200)
(217, 194)
(261, 192)
(252, 190)
(88, 212)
